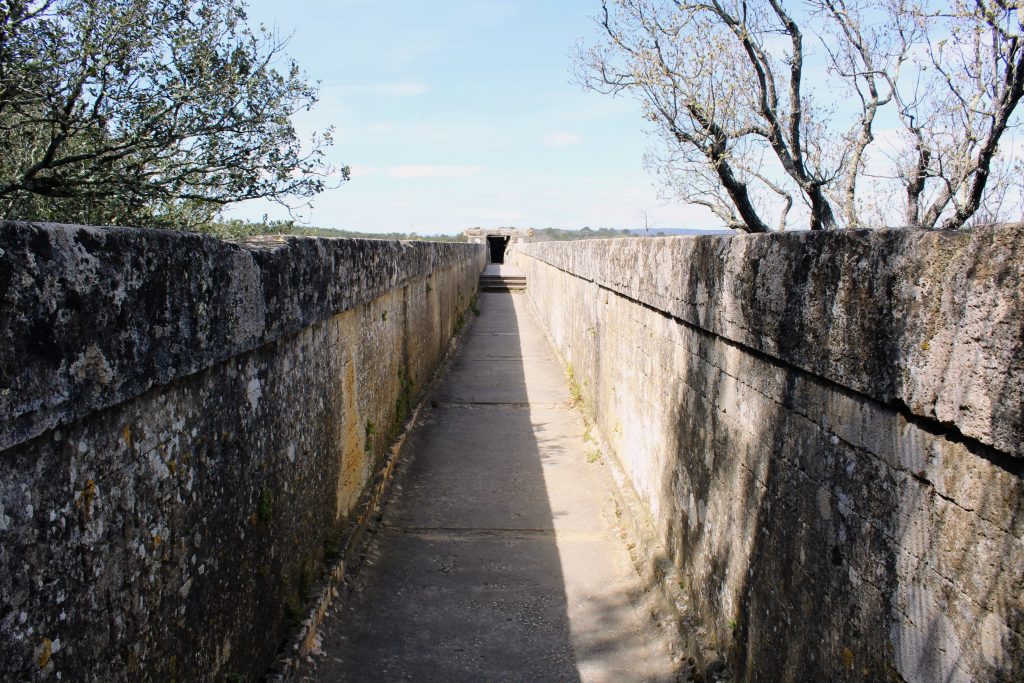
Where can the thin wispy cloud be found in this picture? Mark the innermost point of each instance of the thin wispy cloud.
(390, 89)
(561, 139)
(359, 171)
(416, 171)
(434, 171)
(418, 46)
(411, 131)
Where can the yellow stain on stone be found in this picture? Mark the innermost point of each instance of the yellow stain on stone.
(87, 496)
(353, 452)
(45, 651)
(848, 658)
(126, 434)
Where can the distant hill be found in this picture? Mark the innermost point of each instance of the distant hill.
(557, 235)
(238, 229)
(332, 232)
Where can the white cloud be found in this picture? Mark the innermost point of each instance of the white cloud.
(392, 89)
(358, 171)
(413, 171)
(561, 139)
(434, 171)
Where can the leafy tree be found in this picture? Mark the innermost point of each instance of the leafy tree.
(746, 133)
(147, 112)
(584, 233)
(239, 229)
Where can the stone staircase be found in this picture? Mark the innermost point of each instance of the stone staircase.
(502, 279)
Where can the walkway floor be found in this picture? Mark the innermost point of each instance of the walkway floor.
(497, 557)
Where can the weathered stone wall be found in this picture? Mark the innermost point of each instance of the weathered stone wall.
(826, 431)
(185, 426)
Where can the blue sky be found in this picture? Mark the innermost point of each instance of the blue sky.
(463, 113)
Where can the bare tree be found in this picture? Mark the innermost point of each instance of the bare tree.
(647, 222)
(743, 133)
(868, 57)
(975, 84)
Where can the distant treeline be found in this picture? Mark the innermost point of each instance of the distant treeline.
(556, 235)
(236, 229)
(328, 232)
(587, 233)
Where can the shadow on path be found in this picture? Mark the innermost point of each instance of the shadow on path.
(494, 559)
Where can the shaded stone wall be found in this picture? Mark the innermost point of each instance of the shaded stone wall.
(826, 432)
(186, 426)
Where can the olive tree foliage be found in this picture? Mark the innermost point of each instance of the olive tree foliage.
(147, 112)
(855, 112)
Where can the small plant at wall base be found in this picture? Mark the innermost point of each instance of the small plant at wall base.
(293, 611)
(404, 402)
(265, 506)
(575, 394)
(307, 579)
(368, 431)
(332, 547)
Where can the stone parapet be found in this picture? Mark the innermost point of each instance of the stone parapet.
(93, 316)
(825, 432)
(928, 320)
(186, 429)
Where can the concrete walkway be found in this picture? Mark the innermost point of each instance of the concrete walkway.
(497, 556)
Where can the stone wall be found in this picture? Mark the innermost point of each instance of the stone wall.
(825, 431)
(186, 425)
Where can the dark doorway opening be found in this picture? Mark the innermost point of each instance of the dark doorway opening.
(497, 244)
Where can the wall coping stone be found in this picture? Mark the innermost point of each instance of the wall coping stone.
(925, 321)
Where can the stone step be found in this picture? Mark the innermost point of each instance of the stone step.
(503, 278)
(500, 287)
(509, 280)
(499, 283)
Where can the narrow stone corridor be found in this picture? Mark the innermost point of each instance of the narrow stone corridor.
(816, 436)
(497, 556)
